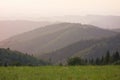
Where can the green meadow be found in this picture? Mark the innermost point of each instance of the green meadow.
(60, 73)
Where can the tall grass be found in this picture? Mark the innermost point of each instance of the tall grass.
(60, 73)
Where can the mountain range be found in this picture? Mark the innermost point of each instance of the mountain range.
(102, 21)
(53, 37)
(69, 36)
(9, 28)
(88, 49)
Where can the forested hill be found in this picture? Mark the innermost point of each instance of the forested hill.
(85, 49)
(15, 58)
(54, 37)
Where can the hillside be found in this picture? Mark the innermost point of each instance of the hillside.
(85, 49)
(8, 28)
(53, 37)
(15, 58)
(102, 21)
(116, 30)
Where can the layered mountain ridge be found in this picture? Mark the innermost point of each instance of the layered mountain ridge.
(53, 37)
(85, 49)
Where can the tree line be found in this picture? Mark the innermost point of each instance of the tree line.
(14, 58)
(104, 60)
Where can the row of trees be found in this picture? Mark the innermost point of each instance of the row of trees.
(15, 58)
(104, 60)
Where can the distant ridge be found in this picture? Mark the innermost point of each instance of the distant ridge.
(116, 30)
(9, 28)
(85, 49)
(53, 37)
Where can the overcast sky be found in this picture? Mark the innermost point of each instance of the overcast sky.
(37, 8)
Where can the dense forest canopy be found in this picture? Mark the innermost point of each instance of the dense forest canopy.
(15, 58)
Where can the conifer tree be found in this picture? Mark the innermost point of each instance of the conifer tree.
(115, 57)
(107, 58)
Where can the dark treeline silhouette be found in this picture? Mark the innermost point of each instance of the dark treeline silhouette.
(14, 58)
(104, 60)
(9, 57)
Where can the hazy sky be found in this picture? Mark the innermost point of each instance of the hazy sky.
(29, 9)
(38, 8)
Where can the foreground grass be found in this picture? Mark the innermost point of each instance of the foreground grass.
(60, 73)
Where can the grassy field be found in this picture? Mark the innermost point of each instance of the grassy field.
(60, 73)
